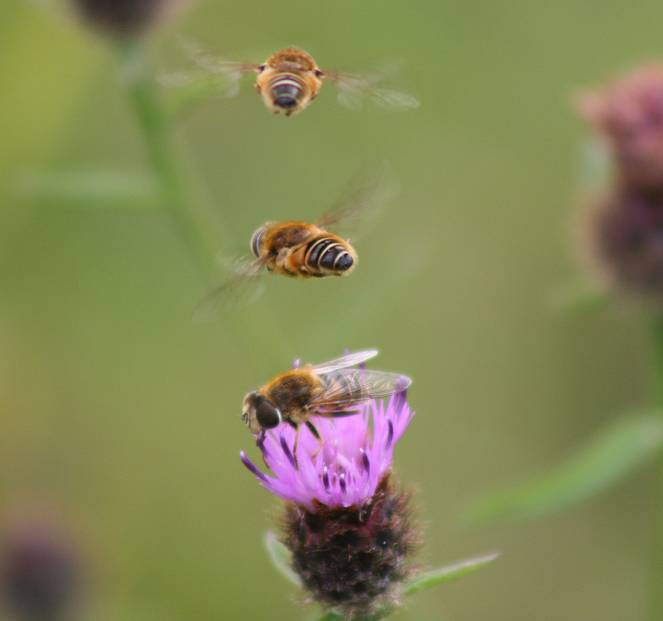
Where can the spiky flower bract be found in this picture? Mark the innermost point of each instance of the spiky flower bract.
(347, 525)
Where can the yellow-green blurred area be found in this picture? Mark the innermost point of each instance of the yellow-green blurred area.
(121, 412)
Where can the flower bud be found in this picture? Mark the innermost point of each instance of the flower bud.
(39, 572)
(123, 18)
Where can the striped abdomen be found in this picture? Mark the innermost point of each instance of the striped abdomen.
(286, 90)
(328, 255)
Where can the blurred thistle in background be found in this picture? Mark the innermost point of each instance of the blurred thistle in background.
(347, 526)
(40, 572)
(622, 240)
(624, 224)
(124, 18)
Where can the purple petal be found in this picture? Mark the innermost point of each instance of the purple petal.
(252, 467)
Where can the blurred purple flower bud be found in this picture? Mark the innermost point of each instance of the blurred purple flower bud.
(124, 18)
(39, 572)
(628, 115)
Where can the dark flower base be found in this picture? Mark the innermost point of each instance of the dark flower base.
(39, 573)
(626, 236)
(121, 17)
(353, 559)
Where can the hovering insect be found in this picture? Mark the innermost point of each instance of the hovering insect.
(331, 389)
(299, 249)
(290, 79)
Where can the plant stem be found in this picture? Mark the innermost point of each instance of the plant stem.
(657, 578)
(165, 158)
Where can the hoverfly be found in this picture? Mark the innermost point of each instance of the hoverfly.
(332, 389)
(290, 79)
(300, 249)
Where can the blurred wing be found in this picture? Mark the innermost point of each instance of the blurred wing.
(349, 360)
(241, 289)
(354, 387)
(227, 72)
(361, 202)
(355, 89)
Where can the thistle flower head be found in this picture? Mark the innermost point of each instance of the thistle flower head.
(355, 454)
(348, 527)
(39, 572)
(629, 116)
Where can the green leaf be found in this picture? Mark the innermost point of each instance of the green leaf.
(280, 557)
(331, 616)
(448, 573)
(92, 187)
(610, 457)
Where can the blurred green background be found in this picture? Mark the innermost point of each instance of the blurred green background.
(122, 413)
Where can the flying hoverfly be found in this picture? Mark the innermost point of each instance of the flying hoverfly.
(290, 79)
(299, 249)
(331, 389)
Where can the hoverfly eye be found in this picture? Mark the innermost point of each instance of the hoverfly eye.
(267, 415)
(256, 241)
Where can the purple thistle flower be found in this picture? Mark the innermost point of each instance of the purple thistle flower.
(347, 526)
(356, 454)
(628, 115)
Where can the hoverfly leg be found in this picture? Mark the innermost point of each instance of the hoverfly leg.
(295, 426)
(316, 435)
(260, 443)
(294, 447)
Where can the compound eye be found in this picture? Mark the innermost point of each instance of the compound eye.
(256, 241)
(267, 415)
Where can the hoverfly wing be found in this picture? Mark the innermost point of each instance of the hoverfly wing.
(241, 289)
(355, 89)
(390, 98)
(349, 360)
(360, 203)
(227, 72)
(352, 388)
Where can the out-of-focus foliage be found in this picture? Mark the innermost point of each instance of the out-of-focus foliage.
(609, 458)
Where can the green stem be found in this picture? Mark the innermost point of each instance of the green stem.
(164, 157)
(657, 608)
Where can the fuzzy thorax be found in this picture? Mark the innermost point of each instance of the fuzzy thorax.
(353, 559)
